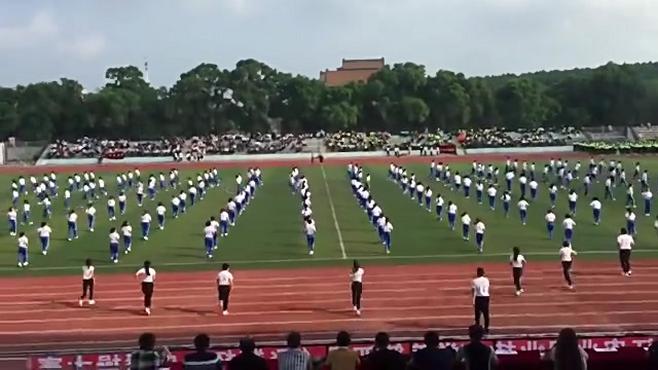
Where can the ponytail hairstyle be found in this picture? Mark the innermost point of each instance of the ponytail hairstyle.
(515, 252)
(147, 267)
(355, 266)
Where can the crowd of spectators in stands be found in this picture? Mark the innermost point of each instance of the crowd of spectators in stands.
(566, 354)
(356, 141)
(497, 137)
(93, 148)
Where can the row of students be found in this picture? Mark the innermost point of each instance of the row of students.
(308, 223)
(374, 211)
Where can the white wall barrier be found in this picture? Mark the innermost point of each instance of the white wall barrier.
(517, 150)
(66, 161)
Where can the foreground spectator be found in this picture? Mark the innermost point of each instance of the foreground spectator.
(383, 358)
(247, 359)
(202, 359)
(294, 357)
(432, 357)
(343, 357)
(652, 354)
(476, 355)
(566, 354)
(147, 357)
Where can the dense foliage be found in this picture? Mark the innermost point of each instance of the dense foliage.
(254, 97)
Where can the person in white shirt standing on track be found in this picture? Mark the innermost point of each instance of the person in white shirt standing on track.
(356, 276)
(87, 283)
(625, 242)
(566, 257)
(147, 276)
(480, 290)
(224, 286)
(517, 261)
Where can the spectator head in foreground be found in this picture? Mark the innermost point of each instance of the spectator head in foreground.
(432, 357)
(475, 355)
(294, 340)
(431, 339)
(476, 332)
(147, 342)
(382, 340)
(202, 359)
(247, 345)
(567, 354)
(343, 339)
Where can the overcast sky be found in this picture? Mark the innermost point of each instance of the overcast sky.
(48, 39)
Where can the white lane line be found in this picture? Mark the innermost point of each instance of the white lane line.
(438, 285)
(323, 305)
(333, 212)
(210, 265)
(344, 320)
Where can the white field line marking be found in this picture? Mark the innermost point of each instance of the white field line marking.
(330, 306)
(340, 295)
(345, 320)
(438, 285)
(333, 212)
(210, 265)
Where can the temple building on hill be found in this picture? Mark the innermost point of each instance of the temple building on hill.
(352, 70)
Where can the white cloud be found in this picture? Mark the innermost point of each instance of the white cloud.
(41, 27)
(84, 47)
(43, 31)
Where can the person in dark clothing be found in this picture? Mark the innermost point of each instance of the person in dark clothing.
(475, 355)
(382, 358)
(652, 355)
(202, 359)
(432, 357)
(247, 359)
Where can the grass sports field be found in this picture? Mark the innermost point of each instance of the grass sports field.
(269, 233)
(423, 284)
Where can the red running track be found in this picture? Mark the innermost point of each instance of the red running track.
(41, 314)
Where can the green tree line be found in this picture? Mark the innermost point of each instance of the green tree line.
(252, 97)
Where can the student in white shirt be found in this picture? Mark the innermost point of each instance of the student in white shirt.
(479, 234)
(145, 221)
(91, 216)
(88, 275)
(568, 223)
(573, 199)
(452, 214)
(209, 232)
(647, 195)
(630, 221)
(160, 211)
(550, 223)
(517, 261)
(356, 277)
(310, 230)
(127, 232)
(147, 275)
(466, 224)
(12, 216)
(122, 203)
(23, 244)
(491, 192)
(72, 221)
(596, 210)
(625, 242)
(224, 286)
(480, 290)
(523, 210)
(114, 245)
(566, 258)
(439, 207)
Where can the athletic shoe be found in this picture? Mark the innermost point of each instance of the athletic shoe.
(115, 261)
(44, 252)
(310, 253)
(224, 313)
(571, 287)
(92, 302)
(146, 238)
(358, 312)
(80, 302)
(518, 293)
(522, 290)
(26, 263)
(91, 230)
(210, 256)
(20, 264)
(148, 311)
